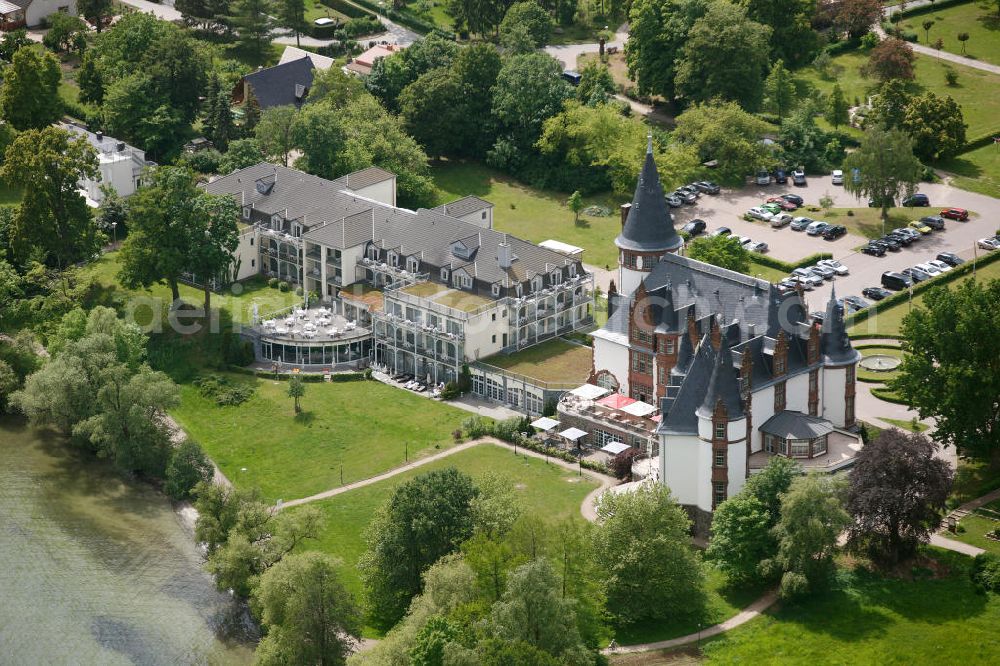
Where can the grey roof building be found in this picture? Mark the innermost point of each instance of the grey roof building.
(280, 85)
(649, 226)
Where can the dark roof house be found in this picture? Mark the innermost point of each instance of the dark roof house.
(281, 85)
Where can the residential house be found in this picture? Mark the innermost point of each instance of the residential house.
(119, 165)
(362, 64)
(16, 14)
(280, 85)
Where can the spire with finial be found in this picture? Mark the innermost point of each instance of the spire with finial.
(649, 226)
(835, 344)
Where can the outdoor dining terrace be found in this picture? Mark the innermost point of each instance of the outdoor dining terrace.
(320, 324)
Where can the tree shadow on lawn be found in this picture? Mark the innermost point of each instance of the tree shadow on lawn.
(962, 167)
(836, 613)
(305, 418)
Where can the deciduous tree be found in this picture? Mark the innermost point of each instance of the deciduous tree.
(896, 492)
(658, 30)
(883, 168)
(296, 391)
(29, 98)
(837, 111)
(856, 17)
(188, 467)
(642, 549)
(214, 235)
(90, 81)
(95, 11)
(951, 371)
(65, 33)
(53, 218)
(722, 251)
(242, 153)
(530, 16)
(727, 134)
(792, 38)
(779, 90)
(891, 59)
(725, 57)
(936, 126)
(433, 114)
(575, 205)
(741, 538)
(275, 132)
(528, 89)
(310, 616)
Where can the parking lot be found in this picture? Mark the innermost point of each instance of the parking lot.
(727, 209)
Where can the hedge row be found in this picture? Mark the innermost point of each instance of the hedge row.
(903, 295)
(347, 9)
(874, 347)
(305, 376)
(771, 262)
(871, 336)
(888, 396)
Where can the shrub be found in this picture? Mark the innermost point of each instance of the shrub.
(272, 282)
(985, 572)
(869, 41)
(450, 391)
(188, 467)
(283, 286)
(223, 391)
(951, 76)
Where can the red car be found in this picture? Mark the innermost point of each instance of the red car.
(959, 214)
(785, 204)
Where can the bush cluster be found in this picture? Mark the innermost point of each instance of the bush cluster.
(510, 431)
(223, 391)
(985, 572)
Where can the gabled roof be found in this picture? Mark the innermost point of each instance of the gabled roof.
(649, 226)
(680, 415)
(465, 206)
(292, 53)
(276, 86)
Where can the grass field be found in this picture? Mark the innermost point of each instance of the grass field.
(870, 619)
(979, 19)
(888, 321)
(531, 214)
(975, 90)
(290, 456)
(906, 425)
(867, 222)
(870, 375)
(543, 488)
(977, 524)
(973, 478)
(552, 361)
(766, 272)
(977, 170)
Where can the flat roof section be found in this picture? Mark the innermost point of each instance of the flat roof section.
(554, 361)
(364, 294)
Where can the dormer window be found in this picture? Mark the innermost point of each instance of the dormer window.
(536, 283)
(572, 270)
(466, 282)
(246, 212)
(495, 289)
(519, 290)
(276, 222)
(444, 274)
(393, 259)
(555, 277)
(372, 252)
(412, 264)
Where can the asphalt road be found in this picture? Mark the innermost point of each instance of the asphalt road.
(727, 208)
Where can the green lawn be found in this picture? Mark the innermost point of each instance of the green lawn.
(365, 426)
(768, 273)
(906, 425)
(888, 321)
(552, 361)
(870, 375)
(237, 302)
(973, 478)
(979, 19)
(973, 528)
(870, 619)
(977, 170)
(545, 489)
(867, 222)
(975, 90)
(531, 214)
(722, 603)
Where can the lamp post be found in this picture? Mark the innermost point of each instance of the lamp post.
(114, 232)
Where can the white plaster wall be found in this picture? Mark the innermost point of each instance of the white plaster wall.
(737, 459)
(39, 9)
(763, 409)
(348, 260)
(797, 394)
(681, 463)
(246, 254)
(384, 192)
(480, 218)
(613, 357)
(629, 280)
(480, 331)
(833, 381)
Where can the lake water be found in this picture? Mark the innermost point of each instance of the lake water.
(95, 570)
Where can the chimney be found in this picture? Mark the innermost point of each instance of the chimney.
(751, 330)
(504, 255)
(625, 208)
(100, 136)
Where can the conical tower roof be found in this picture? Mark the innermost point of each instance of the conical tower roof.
(836, 346)
(724, 385)
(685, 354)
(649, 226)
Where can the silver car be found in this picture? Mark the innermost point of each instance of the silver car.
(800, 223)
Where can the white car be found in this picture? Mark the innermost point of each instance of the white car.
(780, 220)
(834, 265)
(988, 243)
(760, 214)
(838, 177)
(755, 246)
(816, 228)
(930, 270)
(940, 265)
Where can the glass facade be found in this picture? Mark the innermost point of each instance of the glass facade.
(328, 353)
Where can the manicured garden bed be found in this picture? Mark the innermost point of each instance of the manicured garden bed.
(974, 527)
(364, 427)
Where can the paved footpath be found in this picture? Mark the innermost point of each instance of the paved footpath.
(935, 53)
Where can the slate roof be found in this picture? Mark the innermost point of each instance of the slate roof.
(276, 86)
(796, 425)
(465, 206)
(366, 177)
(680, 413)
(723, 385)
(649, 226)
(333, 216)
(835, 344)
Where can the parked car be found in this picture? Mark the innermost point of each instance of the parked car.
(933, 271)
(685, 196)
(918, 199)
(823, 272)
(916, 274)
(816, 228)
(760, 213)
(837, 178)
(788, 284)
(708, 187)
(875, 293)
(913, 234)
(722, 231)
(695, 227)
(834, 232)
(763, 177)
(674, 201)
(800, 223)
(690, 188)
(780, 176)
(799, 177)
(780, 220)
(903, 239)
(988, 243)
(920, 226)
(855, 302)
(959, 214)
(808, 283)
(794, 198)
(873, 249)
(772, 208)
(783, 203)
(950, 258)
(940, 265)
(756, 246)
(933, 221)
(895, 281)
(890, 243)
(833, 265)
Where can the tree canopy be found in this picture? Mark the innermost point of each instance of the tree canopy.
(722, 251)
(658, 30)
(29, 98)
(951, 371)
(727, 134)
(883, 168)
